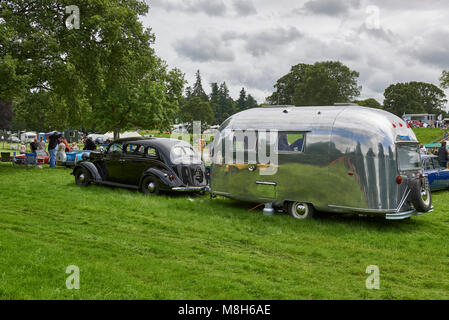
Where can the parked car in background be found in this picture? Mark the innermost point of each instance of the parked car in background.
(13, 140)
(28, 137)
(99, 140)
(73, 157)
(438, 176)
(149, 165)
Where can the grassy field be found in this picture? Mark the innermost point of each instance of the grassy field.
(429, 135)
(129, 246)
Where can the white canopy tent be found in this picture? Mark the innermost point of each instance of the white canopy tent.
(110, 135)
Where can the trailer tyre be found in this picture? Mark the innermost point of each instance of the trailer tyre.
(420, 195)
(301, 211)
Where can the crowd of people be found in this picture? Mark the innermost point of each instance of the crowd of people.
(421, 124)
(57, 147)
(442, 153)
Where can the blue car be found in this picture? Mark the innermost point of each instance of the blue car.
(438, 176)
(73, 157)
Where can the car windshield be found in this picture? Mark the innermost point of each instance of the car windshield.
(408, 157)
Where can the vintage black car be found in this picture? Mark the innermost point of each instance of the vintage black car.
(150, 165)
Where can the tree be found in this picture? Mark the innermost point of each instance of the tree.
(323, 83)
(241, 102)
(226, 103)
(251, 102)
(197, 109)
(414, 97)
(106, 73)
(214, 101)
(369, 103)
(285, 86)
(198, 90)
(6, 115)
(445, 80)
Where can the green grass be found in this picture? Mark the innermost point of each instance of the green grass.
(129, 246)
(428, 135)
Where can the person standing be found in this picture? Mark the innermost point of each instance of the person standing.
(42, 145)
(443, 155)
(23, 148)
(89, 144)
(61, 156)
(34, 146)
(423, 150)
(52, 146)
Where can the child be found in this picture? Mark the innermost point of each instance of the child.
(23, 148)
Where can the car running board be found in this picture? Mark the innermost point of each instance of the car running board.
(116, 184)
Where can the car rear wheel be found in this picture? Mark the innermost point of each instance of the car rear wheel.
(420, 195)
(300, 210)
(150, 186)
(82, 177)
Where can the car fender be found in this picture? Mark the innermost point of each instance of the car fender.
(89, 166)
(162, 176)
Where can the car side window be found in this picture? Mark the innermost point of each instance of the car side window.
(152, 153)
(115, 148)
(140, 150)
(436, 164)
(428, 165)
(130, 149)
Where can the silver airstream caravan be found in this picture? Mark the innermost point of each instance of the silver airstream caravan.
(343, 158)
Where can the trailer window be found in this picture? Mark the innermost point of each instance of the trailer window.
(291, 141)
(408, 157)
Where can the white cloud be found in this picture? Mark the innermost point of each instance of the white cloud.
(252, 43)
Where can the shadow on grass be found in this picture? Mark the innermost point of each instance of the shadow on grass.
(369, 223)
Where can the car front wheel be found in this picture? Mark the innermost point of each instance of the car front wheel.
(150, 186)
(82, 177)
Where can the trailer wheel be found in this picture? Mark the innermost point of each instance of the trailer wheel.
(420, 195)
(301, 211)
(82, 177)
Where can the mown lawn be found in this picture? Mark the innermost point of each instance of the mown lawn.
(428, 135)
(129, 246)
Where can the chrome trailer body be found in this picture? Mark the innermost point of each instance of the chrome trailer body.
(348, 164)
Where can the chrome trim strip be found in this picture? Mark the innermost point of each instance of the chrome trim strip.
(267, 183)
(224, 194)
(189, 188)
(360, 210)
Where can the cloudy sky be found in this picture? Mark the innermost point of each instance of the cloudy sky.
(251, 43)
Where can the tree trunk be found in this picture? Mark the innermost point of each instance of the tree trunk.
(117, 134)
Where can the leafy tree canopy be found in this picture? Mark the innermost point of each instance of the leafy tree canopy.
(196, 109)
(323, 83)
(105, 73)
(414, 97)
(369, 103)
(445, 80)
